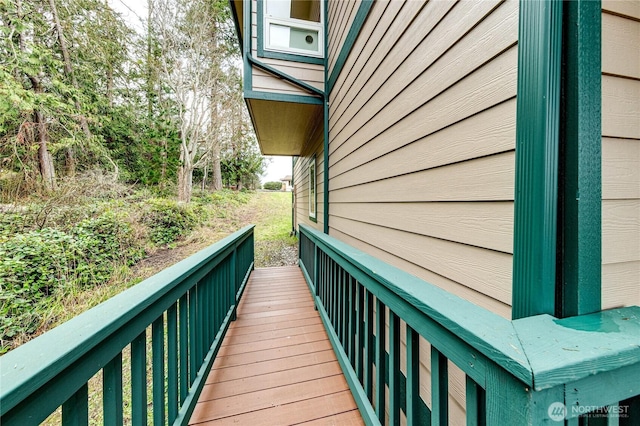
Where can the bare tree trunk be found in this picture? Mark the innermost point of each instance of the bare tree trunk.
(217, 170)
(185, 177)
(44, 156)
(45, 160)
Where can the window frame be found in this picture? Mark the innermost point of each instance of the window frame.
(312, 174)
(265, 49)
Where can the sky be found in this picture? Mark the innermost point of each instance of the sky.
(132, 11)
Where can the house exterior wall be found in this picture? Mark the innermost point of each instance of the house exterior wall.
(620, 154)
(313, 149)
(341, 15)
(312, 74)
(422, 137)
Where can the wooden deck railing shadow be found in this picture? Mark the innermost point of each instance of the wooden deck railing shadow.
(189, 306)
(525, 372)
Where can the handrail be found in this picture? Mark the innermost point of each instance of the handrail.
(188, 305)
(515, 370)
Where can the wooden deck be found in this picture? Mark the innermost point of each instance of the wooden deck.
(276, 365)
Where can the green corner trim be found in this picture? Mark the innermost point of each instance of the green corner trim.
(580, 204)
(247, 83)
(352, 35)
(325, 146)
(262, 53)
(537, 147)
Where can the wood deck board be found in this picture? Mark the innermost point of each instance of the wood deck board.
(276, 365)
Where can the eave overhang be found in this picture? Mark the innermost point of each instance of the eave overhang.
(286, 119)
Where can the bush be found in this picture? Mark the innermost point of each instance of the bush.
(105, 242)
(167, 220)
(32, 265)
(272, 186)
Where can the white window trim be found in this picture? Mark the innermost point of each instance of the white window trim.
(295, 23)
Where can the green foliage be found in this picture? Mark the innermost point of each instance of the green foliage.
(272, 186)
(39, 263)
(168, 220)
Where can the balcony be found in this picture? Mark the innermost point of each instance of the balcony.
(227, 340)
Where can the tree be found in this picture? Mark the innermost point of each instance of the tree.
(193, 63)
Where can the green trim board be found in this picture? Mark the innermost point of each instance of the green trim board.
(281, 97)
(580, 201)
(352, 35)
(262, 53)
(286, 77)
(325, 121)
(537, 147)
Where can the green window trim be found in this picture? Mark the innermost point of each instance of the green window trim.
(313, 189)
(294, 57)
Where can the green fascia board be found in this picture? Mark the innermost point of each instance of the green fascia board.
(352, 35)
(581, 161)
(490, 334)
(28, 367)
(277, 73)
(281, 97)
(569, 349)
(537, 152)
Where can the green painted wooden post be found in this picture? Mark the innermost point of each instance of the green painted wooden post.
(139, 380)
(475, 401)
(360, 343)
(413, 376)
(581, 159)
(112, 392)
(75, 411)
(172, 363)
(439, 388)
(381, 368)
(351, 330)
(368, 345)
(394, 368)
(183, 323)
(157, 354)
(193, 354)
(537, 146)
(235, 280)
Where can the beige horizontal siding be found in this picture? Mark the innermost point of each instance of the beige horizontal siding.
(339, 25)
(620, 153)
(422, 139)
(301, 182)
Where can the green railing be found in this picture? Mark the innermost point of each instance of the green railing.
(188, 308)
(530, 371)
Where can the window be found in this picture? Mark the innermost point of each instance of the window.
(294, 26)
(313, 200)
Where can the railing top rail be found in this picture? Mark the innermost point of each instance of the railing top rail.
(541, 351)
(29, 366)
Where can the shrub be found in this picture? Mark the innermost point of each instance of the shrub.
(272, 186)
(32, 265)
(104, 242)
(167, 220)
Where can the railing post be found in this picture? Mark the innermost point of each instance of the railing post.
(235, 286)
(75, 411)
(316, 284)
